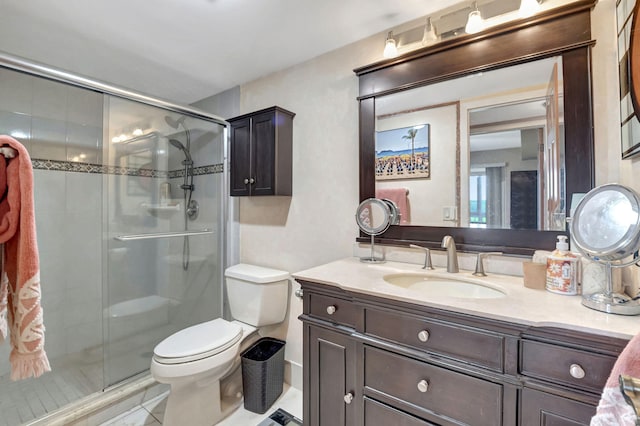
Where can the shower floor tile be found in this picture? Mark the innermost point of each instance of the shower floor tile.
(70, 379)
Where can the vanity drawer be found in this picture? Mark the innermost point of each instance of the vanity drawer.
(334, 309)
(565, 365)
(377, 414)
(441, 392)
(453, 340)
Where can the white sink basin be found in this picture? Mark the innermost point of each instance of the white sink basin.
(439, 286)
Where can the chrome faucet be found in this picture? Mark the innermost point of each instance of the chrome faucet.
(479, 272)
(427, 256)
(452, 255)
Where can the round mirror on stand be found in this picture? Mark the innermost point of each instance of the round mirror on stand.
(374, 216)
(606, 228)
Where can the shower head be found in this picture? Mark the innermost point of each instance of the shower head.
(181, 147)
(173, 122)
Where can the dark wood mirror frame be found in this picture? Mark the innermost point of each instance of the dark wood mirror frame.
(563, 31)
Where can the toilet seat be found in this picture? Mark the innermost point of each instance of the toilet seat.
(198, 342)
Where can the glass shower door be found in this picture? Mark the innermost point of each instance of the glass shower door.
(163, 240)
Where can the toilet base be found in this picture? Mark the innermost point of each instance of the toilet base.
(196, 403)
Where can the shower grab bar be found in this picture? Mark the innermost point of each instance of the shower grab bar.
(155, 235)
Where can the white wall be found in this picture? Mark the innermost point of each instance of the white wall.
(316, 225)
(609, 166)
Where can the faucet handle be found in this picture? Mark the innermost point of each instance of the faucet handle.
(479, 272)
(427, 256)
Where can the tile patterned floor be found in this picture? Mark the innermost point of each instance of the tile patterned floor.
(26, 400)
(151, 412)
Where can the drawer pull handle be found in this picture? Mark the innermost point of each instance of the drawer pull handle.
(423, 386)
(423, 336)
(331, 309)
(576, 371)
(348, 398)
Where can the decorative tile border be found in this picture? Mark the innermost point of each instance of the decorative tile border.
(197, 171)
(72, 166)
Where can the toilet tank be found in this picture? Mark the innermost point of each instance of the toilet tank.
(257, 296)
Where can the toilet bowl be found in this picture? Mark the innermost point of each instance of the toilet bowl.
(195, 360)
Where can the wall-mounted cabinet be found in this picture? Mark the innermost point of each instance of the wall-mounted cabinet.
(261, 153)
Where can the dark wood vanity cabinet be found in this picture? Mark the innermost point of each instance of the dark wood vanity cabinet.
(373, 361)
(261, 153)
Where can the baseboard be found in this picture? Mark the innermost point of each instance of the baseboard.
(293, 374)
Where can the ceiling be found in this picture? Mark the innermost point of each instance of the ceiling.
(186, 50)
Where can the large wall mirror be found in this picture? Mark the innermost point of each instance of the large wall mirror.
(484, 137)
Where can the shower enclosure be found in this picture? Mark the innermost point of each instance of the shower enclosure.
(130, 213)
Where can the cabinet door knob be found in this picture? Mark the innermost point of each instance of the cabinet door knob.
(348, 398)
(246, 181)
(423, 386)
(423, 336)
(252, 180)
(576, 371)
(331, 309)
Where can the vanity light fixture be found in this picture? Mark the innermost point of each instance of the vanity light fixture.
(390, 48)
(475, 23)
(429, 33)
(528, 8)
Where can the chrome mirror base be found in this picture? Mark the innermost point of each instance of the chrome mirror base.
(613, 303)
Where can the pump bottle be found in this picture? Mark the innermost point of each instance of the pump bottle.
(562, 269)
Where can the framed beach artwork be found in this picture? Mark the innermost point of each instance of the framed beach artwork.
(403, 153)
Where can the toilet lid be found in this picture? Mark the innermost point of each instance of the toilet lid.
(198, 341)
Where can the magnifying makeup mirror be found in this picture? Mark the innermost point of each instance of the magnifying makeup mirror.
(374, 216)
(606, 228)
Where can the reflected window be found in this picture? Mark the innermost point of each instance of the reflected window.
(478, 198)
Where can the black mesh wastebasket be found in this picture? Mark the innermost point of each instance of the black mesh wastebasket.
(262, 374)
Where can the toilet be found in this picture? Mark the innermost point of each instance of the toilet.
(202, 363)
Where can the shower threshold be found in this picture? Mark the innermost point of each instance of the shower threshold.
(93, 404)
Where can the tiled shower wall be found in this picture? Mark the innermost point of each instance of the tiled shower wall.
(61, 123)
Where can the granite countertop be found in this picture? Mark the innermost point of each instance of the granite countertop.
(521, 305)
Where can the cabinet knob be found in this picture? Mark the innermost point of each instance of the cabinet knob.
(252, 180)
(331, 309)
(423, 386)
(423, 336)
(576, 371)
(246, 181)
(348, 398)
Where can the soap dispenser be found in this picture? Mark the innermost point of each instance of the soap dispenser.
(562, 269)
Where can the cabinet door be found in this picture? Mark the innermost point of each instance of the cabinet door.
(240, 157)
(331, 377)
(544, 409)
(263, 158)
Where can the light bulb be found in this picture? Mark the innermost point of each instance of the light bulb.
(137, 132)
(475, 23)
(390, 48)
(528, 8)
